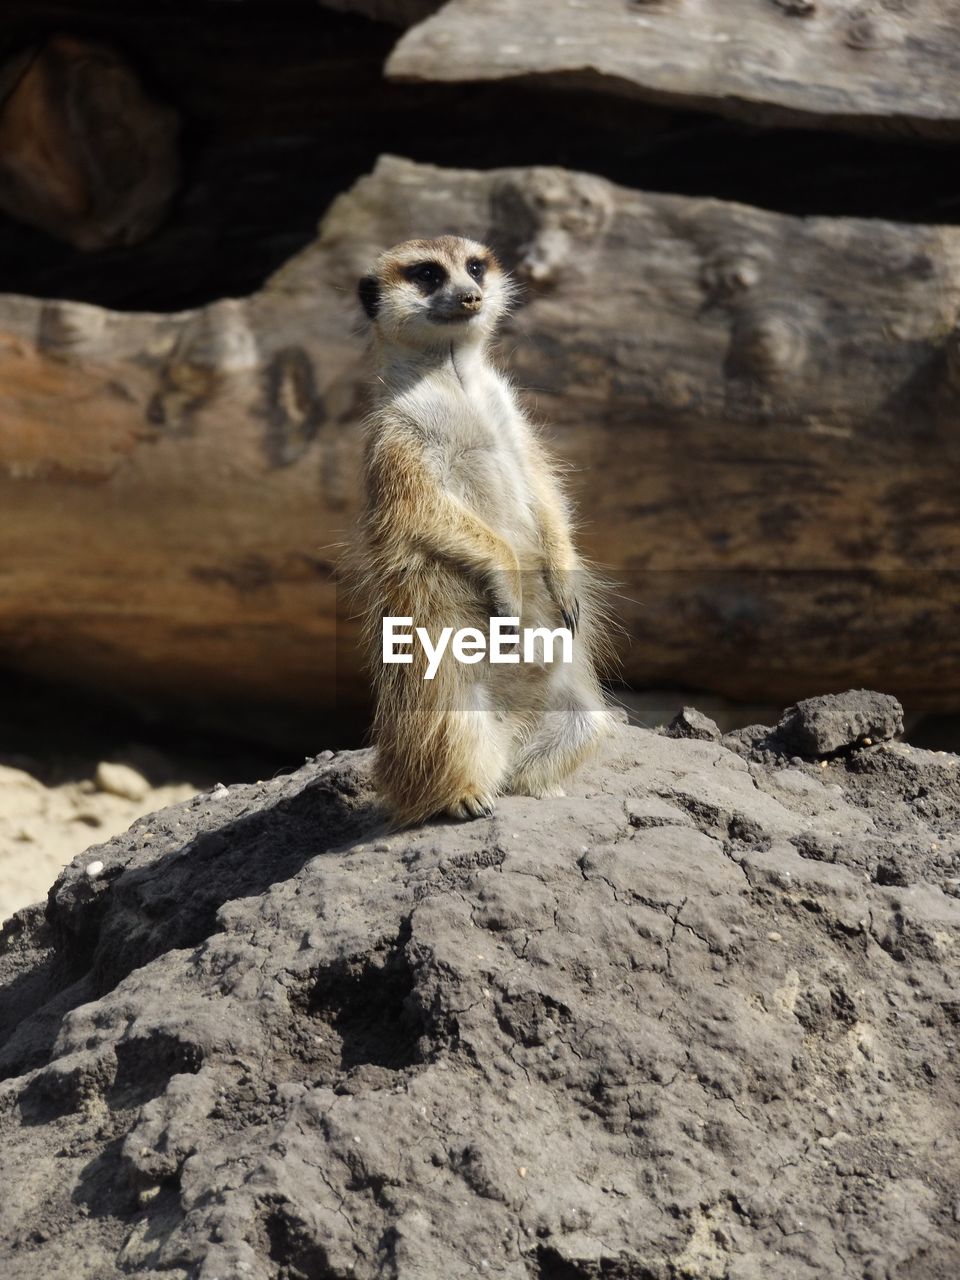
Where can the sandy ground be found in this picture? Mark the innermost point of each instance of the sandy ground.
(43, 827)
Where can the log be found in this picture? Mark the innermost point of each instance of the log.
(85, 153)
(759, 414)
(798, 62)
(399, 13)
(263, 166)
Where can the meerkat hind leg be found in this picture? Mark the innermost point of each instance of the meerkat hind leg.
(571, 728)
(483, 746)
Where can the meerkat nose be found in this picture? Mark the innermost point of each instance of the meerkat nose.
(469, 299)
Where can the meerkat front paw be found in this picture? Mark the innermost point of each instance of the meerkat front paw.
(473, 804)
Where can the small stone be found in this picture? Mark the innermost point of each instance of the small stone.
(522, 1171)
(691, 723)
(773, 936)
(93, 869)
(120, 780)
(821, 726)
(89, 817)
(218, 789)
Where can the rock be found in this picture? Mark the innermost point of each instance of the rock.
(691, 723)
(121, 780)
(748, 741)
(279, 1039)
(819, 726)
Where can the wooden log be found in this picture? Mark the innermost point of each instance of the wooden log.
(85, 153)
(399, 13)
(796, 62)
(759, 414)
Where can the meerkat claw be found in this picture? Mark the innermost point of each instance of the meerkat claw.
(469, 807)
(571, 617)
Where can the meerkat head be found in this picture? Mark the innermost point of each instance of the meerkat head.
(429, 293)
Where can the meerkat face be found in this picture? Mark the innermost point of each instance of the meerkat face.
(429, 293)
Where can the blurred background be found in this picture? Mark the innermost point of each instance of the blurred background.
(735, 233)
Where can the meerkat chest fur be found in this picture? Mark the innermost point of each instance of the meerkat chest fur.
(477, 439)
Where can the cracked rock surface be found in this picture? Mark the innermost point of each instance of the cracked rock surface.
(697, 1019)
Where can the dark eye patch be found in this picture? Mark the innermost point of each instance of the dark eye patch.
(368, 291)
(477, 268)
(427, 276)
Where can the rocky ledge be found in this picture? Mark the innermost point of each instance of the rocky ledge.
(697, 1019)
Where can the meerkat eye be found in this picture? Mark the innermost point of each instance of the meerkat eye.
(427, 276)
(477, 268)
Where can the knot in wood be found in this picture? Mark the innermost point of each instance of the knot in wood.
(868, 31)
(727, 275)
(222, 338)
(561, 214)
(797, 8)
(575, 202)
(768, 345)
(68, 329)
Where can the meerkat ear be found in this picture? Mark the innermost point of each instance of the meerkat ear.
(368, 291)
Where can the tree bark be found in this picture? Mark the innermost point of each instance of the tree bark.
(759, 415)
(399, 13)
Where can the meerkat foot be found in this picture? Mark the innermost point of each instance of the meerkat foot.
(542, 791)
(473, 804)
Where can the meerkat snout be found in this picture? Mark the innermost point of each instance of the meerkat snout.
(470, 299)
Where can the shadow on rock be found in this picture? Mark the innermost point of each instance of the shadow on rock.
(163, 882)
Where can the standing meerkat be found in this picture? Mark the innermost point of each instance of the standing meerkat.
(464, 519)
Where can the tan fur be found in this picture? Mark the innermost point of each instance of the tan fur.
(465, 518)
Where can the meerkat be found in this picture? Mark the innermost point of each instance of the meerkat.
(465, 519)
